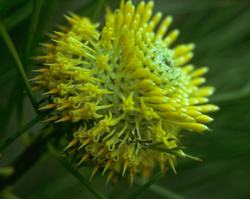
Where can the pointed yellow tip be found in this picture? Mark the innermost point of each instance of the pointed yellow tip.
(182, 154)
(87, 141)
(125, 166)
(110, 176)
(63, 119)
(94, 171)
(42, 70)
(106, 167)
(171, 164)
(84, 158)
(131, 176)
(51, 92)
(53, 118)
(48, 106)
(204, 119)
(70, 144)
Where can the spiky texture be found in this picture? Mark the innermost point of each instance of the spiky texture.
(127, 90)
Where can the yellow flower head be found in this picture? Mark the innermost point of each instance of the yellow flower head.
(128, 92)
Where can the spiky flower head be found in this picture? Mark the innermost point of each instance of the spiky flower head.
(128, 92)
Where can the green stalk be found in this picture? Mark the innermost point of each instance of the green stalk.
(74, 172)
(27, 159)
(33, 26)
(144, 187)
(19, 66)
(166, 193)
(98, 8)
(26, 127)
(232, 96)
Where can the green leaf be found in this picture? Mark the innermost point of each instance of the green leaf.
(18, 15)
(164, 192)
(144, 187)
(99, 6)
(33, 26)
(76, 174)
(7, 5)
(232, 96)
(9, 106)
(19, 66)
(24, 129)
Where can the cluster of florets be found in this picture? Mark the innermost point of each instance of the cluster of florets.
(125, 88)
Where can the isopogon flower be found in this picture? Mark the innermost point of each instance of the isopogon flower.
(125, 89)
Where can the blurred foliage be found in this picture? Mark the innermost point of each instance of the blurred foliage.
(221, 31)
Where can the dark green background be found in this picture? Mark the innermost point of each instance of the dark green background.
(221, 31)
